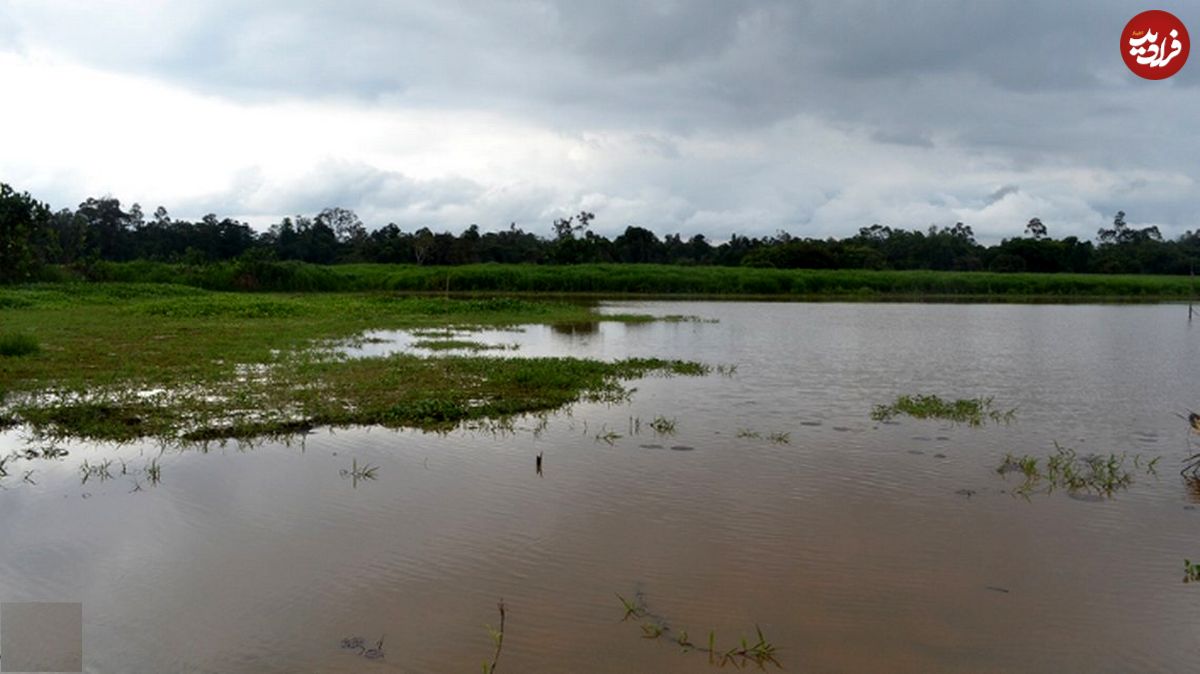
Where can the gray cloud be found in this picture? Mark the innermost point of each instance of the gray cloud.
(852, 112)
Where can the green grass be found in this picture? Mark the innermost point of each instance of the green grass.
(973, 411)
(619, 279)
(1102, 475)
(1191, 571)
(16, 344)
(124, 361)
(456, 345)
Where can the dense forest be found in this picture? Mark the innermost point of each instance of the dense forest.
(32, 236)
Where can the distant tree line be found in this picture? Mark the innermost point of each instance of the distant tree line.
(33, 235)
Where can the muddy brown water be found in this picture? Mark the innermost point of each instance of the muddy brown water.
(855, 546)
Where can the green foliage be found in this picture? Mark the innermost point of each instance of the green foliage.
(1191, 571)
(25, 240)
(1102, 475)
(973, 411)
(623, 279)
(18, 344)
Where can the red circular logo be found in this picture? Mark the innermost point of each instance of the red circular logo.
(1155, 44)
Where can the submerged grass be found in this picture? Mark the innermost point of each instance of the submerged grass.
(456, 345)
(759, 652)
(124, 361)
(972, 411)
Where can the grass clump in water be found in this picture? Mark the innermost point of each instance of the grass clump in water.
(1191, 571)
(973, 411)
(455, 345)
(1101, 475)
(15, 344)
(759, 652)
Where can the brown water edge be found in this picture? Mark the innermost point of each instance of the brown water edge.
(850, 552)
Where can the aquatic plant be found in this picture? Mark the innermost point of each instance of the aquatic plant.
(99, 471)
(759, 652)
(748, 433)
(153, 472)
(1191, 571)
(1103, 475)
(780, 438)
(366, 472)
(973, 411)
(497, 636)
(607, 436)
(663, 425)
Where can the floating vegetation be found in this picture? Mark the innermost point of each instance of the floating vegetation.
(359, 645)
(497, 636)
(973, 411)
(780, 438)
(460, 345)
(1191, 571)
(355, 473)
(748, 433)
(663, 425)
(1101, 475)
(759, 652)
(608, 436)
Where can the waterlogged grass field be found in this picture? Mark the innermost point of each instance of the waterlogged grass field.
(648, 279)
(120, 361)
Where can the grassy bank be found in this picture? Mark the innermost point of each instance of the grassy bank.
(118, 361)
(616, 279)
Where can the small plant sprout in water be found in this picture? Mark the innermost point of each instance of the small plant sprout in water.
(760, 652)
(748, 433)
(497, 637)
(663, 425)
(100, 471)
(356, 473)
(972, 411)
(1191, 571)
(154, 472)
(608, 436)
(780, 438)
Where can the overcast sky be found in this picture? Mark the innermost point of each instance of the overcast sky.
(685, 116)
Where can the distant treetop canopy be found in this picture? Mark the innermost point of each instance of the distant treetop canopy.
(31, 235)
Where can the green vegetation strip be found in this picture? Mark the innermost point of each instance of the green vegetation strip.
(124, 361)
(1102, 475)
(651, 279)
(973, 411)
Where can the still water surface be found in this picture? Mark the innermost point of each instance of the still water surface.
(854, 546)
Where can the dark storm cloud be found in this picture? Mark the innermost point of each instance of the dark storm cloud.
(1008, 92)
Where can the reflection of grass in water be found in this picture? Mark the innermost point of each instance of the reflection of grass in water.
(759, 652)
(1065, 469)
(973, 411)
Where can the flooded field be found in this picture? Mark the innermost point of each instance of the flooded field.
(761, 495)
